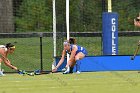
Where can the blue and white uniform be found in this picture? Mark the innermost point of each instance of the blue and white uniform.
(4, 47)
(78, 63)
(79, 49)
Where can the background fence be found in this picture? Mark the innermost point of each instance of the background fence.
(25, 18)
(27, 53)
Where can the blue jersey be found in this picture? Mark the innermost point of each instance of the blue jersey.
(79, 49)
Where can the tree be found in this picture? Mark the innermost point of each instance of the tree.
(6, 16)
(85, 15)
(127, 11)
(34, 15)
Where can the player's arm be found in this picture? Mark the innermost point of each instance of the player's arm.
(73, 52)
(7, 62)
(60, 62)
(139, 43)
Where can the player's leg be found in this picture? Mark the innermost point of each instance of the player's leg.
(69, 66)
(72, 65)
(0, 63)
(78, 58)
(1, 72)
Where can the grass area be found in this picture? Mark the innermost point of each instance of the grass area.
(126, 45)
(89, 82)
(27, 54)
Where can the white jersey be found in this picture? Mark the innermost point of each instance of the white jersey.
(3, 46)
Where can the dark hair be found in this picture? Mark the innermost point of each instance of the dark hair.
(137, 19)
(8, 45)
(72, 40)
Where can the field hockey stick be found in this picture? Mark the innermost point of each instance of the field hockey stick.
(30, 74)
(135, 53)
(23, 72)
(20, 71)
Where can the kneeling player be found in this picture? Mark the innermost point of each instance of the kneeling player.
(76, 54)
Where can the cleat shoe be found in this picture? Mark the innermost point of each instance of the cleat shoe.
(37, 72)
(64, 69)
(66, 72)
(78, 72)
(1, 73)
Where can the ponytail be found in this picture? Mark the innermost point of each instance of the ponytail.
(72, 40)
(9, 45)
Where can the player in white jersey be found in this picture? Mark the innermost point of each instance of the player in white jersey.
(5, 50)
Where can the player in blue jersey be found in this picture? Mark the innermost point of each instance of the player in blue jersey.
(76, 54)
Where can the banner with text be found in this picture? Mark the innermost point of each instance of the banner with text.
(110, 33)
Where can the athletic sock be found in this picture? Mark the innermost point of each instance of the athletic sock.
(71, 69)
(0, 66)
(67, 71)
(78, 63)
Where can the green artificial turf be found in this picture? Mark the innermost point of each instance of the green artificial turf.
(87, 82)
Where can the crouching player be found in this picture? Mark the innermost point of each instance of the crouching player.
(76, 54)
(5, 50)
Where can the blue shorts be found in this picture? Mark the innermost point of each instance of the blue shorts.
(84, 51)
